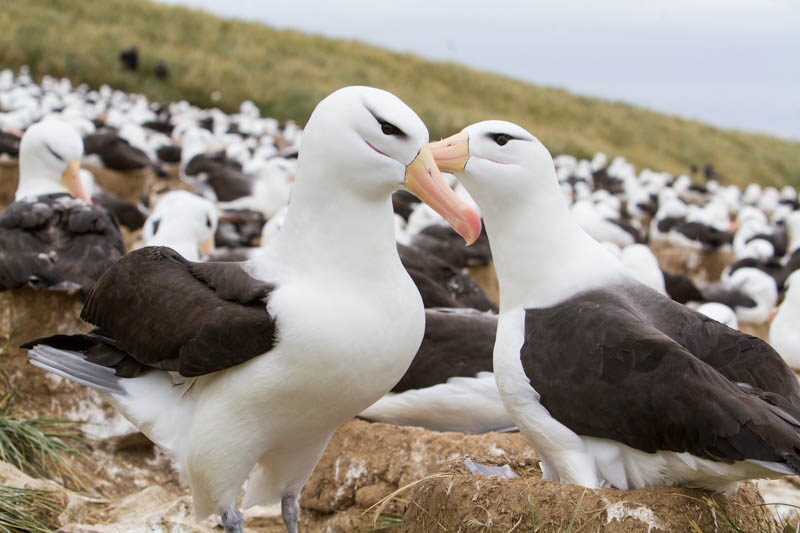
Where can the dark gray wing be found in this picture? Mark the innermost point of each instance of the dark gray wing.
(440, 284)
(117, 153)
(228, 181)
(57, 243)
(740, 357)
(730, 296)
(447, 245)
(128, 214)
(457, 342)
(173, 314)
(603, 370)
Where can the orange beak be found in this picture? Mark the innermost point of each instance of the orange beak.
(451, 154)
(425, 181)
(72, 181)
(207, 247)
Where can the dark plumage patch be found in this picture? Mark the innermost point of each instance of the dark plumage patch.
(169, 154)
(602, 180)
(456, 343)
(127, 214)
(404, 203)
(239, 227)
(447, 245)
(9, 144)
(732, 297)
(772, 267)
(626, 226)
(680, 288)
(161, 126)
(665, 224)
(779, 241)
(440, 284)
(224, 176)
(156, 309)
(117, 153)
(709, 237)
(57, 243)
(632, 366)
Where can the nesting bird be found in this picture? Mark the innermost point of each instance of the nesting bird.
(613, 383)
(52, 236)
(184, 222)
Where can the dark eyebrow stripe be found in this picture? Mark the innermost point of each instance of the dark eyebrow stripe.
(492, 135)
(382, 121)
(54, 152)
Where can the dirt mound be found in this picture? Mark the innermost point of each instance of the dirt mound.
(366, 462)
(459, 501)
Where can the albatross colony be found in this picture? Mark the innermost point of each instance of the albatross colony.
(612, 382)
(250, 367)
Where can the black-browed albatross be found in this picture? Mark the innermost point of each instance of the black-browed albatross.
(273, 354)
(612, 382)
(51, 236)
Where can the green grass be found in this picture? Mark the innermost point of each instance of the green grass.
(41, 447)
(27, 511)
(286, 72)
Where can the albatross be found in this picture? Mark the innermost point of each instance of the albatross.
(613, 383)
(250, 367)
(52, 236)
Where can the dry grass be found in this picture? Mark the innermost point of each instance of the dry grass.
(27, 511)
(287, 72)
(41, 447)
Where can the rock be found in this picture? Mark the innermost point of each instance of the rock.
(75, 506)
(458, 501)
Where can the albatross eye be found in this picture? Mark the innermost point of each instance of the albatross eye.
(501, 138)
(389, 129)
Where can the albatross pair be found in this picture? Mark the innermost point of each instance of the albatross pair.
(612, 382)
(247, 369)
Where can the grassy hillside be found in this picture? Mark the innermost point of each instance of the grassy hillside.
(287, 72)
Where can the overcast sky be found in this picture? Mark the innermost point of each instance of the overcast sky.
(731, 63)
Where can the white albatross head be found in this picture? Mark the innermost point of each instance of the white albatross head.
(386, 150)
(183, 221)
(501, 164)
(541, 254)
(49, 161)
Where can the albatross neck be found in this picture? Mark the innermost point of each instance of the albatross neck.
(331, 230)
(541, 254)
(37, 179)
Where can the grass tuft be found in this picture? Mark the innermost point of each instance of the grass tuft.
(729, 524)
(27, 511)
(41, 447)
